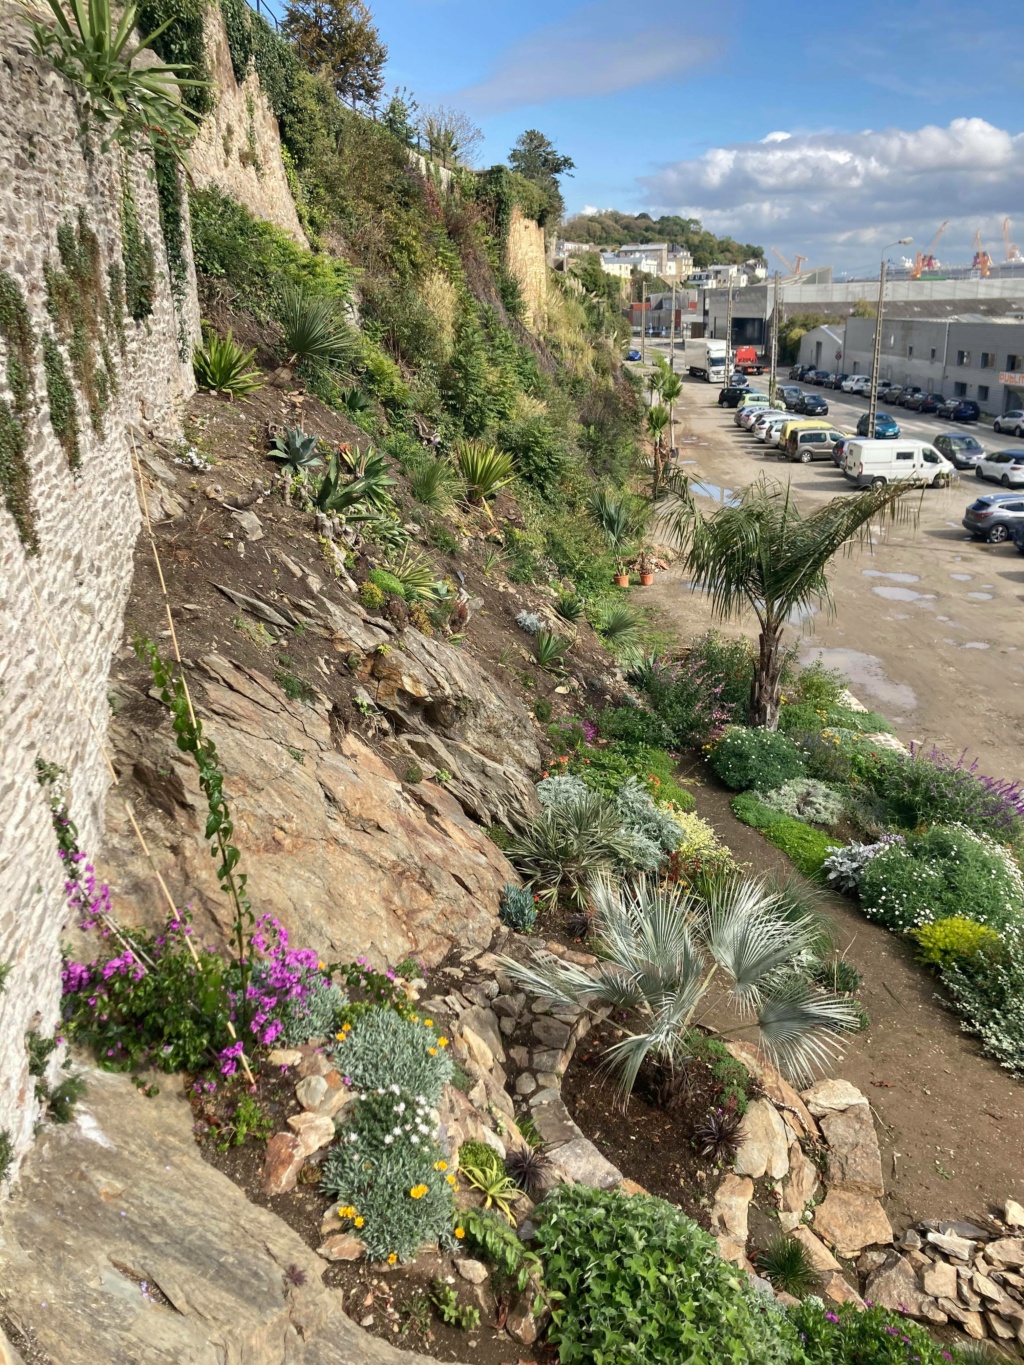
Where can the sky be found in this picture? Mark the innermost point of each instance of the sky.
(829, 131)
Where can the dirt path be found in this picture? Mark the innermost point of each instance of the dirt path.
(928, 624)
(949, 1121)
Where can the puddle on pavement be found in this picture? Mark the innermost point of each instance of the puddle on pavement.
(962, 577)
(896, 577)
(980, 596)
(967, 644)
(866, 674)
(902, 594)
(799, 615)
(711, 490)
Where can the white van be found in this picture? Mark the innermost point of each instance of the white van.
(869, 464)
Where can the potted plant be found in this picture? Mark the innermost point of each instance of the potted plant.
(645, 567)
(621, 575)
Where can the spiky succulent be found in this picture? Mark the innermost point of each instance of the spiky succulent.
(530, 1168)
(717, 1136)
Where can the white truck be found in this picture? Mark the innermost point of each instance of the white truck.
(705, 359)
(869, 464)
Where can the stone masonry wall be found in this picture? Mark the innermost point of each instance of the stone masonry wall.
(527, 261)
(238, 148)
(86, 517)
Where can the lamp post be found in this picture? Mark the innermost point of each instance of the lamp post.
(876, 356)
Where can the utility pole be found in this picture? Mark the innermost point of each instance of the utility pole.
(773, 373)
(672, 332)
(728, 335)
(643, 322)
(877, 352)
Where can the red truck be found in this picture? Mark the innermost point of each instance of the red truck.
(745, 360)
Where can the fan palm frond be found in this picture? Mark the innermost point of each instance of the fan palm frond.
(801, 1029)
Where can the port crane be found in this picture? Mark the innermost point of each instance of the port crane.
(925, 260)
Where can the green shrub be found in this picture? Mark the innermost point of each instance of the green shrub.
(941, 873)
(820, 686)
(643, 1283)
(988, 992)
(731, 1075)
(390, 1172)
(805, 845)
(383, 1049)
(787, 1265)
(931, 790)
(542, 710)
(485, 471)
(313, 330)
(944, 941)
(635, 725)
(607, 769)
(807, 799)
(387, 583)
(845, 1334)
(811, 719)
(538, 451)
(372, 596)
(759, 760)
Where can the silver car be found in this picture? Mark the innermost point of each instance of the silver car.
(962, 451)
(1012, 422)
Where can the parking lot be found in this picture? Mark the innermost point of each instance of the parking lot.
(928, 622)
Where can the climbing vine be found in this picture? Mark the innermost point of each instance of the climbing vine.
(19, 344)
(173, 231)
(78, 303)
(184, 41)
(138, 256)
(61, 396)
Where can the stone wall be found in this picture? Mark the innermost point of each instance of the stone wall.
(527, 261)
(238, 148)
(77, 504)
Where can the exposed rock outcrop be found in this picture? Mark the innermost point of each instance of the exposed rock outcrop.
(352, 860)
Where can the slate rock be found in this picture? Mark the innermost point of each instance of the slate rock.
(894, 1286)
(854, 1161)
(850, 1222)
(763, 1148)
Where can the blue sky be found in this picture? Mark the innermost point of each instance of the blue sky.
(666, 107)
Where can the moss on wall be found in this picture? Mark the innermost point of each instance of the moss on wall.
(19, 344)
(77, 300)
(138, 256)
(61, 396)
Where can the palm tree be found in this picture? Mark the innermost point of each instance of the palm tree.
(763, 555)
(671, 388)
(658, 418)
(659, 948)
(621, 521)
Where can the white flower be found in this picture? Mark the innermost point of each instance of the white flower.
(414, 1140)
(394, 1090)
(389, 1139)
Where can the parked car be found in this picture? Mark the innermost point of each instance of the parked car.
(732, 395)
(960, 410)
(813, 404)
(886, 427)
(964, 451)
(632, 355)
(793, 398)
(857, 383)
(839, 452)
(751, 414)
(888, 393)
(756, 401)
(1005, 467)
(1012, 422)
(796, 372)
(870, 464)
(805, 371)
(925, 402)
(785, 391)
(906, 393)
(994, 517)
(838, 380)
(761, 419)
(769, 433)
(814, 444)
(1017, 532)
(817, 377)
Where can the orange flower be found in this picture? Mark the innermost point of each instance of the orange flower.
(460, 1233)
(392, 1259)
(440, 1165)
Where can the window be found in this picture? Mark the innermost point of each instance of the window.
(904, 454)
(1015, 362)
(983, 393)
(934, 353)
(963, 357)
(959, 390)
(930, 456)
(988, 360)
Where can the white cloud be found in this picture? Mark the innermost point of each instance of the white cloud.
(836, 196)
(599, 49)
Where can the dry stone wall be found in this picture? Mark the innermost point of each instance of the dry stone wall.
(76, 228)
(238, 148)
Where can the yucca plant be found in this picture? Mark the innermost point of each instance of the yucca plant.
(549, 649)
(571, 842)
(314, 331)
(354, 401)
(222, 366)
(133, 103)
(295, 449)
(483, 468)
(659, 948)
(785, 1263)
(617, 627)
(435, 484)
(569, 607)
(417, 579)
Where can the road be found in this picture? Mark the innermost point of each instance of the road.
(928, 621)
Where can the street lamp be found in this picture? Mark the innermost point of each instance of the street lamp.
(876, 357)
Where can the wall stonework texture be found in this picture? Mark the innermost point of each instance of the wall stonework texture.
(527, 261)
(86, 524)
(238, 148)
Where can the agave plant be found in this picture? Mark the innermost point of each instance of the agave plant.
(483, 468)
(296, 449)
(569, 607)
(134, 102)
(417, 579)
(570, 842)
(659, 949)
(370, 471)
(221, 366)
(354, 401)
(313, 329)
(361, 497)
(549, 649)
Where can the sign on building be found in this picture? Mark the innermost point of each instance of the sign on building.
(1015, 378)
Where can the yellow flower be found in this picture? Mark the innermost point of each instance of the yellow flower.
(432, 1051)
(415, 1018)
(460, 1233)
(442, 1042)
(440, 1165)
(450, 1179)
(428, 1023)
(322, 966)
(418, 1191)
(347, 1212)
(340, 1037)
(358, 1222)
(392, 1259)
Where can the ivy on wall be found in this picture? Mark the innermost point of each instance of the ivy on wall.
(172, 229)
(77, 301)
(184, 40)
(138, 256)
(61, 396)
(19, 344)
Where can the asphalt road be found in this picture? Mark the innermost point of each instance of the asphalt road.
(928, 621)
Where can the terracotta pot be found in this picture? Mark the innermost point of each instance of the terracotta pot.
(622, 580)
(647, 579)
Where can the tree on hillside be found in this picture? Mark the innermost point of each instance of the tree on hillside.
(596, 280)
(765, 556)
(451, 136)
(340, 38)
(610, 228)
(536, 158)
(399, 116)
(793, 329)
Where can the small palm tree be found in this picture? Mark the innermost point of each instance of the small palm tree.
(660, 948)
(765, 556)
(671, 388)
(621, 521)
(658, 418)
